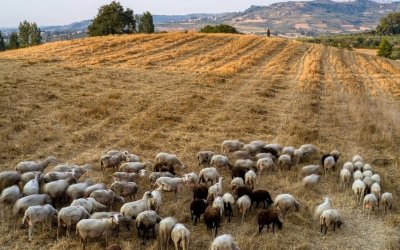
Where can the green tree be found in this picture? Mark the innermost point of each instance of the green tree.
(269, 33)
(35, 37)
(385, 48)
(14, 43)
(112, 19)
(2, 45)
(24, 29)
(221, 28)
(146, 24)
(389, 25)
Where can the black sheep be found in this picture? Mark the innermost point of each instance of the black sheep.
(266, 217)
(197, 208)
(238, 171)
(261, 196)
(200, 192)
(164, 167)
(212, 218)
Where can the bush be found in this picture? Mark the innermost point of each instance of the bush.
(385, 48)
(221, 28)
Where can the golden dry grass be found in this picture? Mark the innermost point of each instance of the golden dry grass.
(186, 92)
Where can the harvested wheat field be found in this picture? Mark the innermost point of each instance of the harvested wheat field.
(186, 92)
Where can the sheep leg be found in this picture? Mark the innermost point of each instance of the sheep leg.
(326, 229)
(273, 227)
(260, 228)
(243, 217)
(334, 226)
(30, 232)
(138, 231)
(321, 228)
(154, 236)
(216, 230)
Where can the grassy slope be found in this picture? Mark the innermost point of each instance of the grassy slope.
(182, 93)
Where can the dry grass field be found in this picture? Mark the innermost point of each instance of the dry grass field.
(186, 92)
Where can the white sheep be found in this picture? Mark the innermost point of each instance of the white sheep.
(265, 164)
(191, 179)
(368, 182)
(110, 161)
(145, 221)
(231, 146)
(284, 202)
(204, 157)
(309, 170)
(170, 158)
(308, 150)
(55, 176)
(9, 196)
(376, 178)
(329, 163)
(345, 177)
(36, 214)
(24, 203)
(124, 176)
(370, 201)
(367, 167)
(131, 210)
(180, 235)
(96, 228)
(90, 189)
(130, 157)
(288, 151)
(216, 189)
(254, 147)
(32, 186)
(245, 163)
(125, 189)
(220, 161)
(357, 175)
(164, 231)
(25, 177)
(29, 166)
(367, 173)
(56, 189)
(107, 197)
(358, 189)
(70, 216)
(284, 161)
(135, 167)
(76, 191)
(311, 181)
(90, 204)
(298, 156)
(66, 168)
(155, 202)
(376, 190)
(219, 203)
(208, 175)
(386, 202)
(250, 179)
(236, 182)
(9, 178)
(229, 201)
(169, 184)
(244, 204)
(224, 242)
(327, 204)
(358, 165)
(330, 216)
(155, 175)
(357, 158)
(349, 166)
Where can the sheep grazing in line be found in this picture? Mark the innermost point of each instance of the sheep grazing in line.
(267, 217)
(244, 205)
(204, 157)
(376, 178)
(288, 151)
(265, 164)
(25, 177)
(370, 201)
(236, 182)
(328, 217)
(225, 241)
(130, 157)
(367, 173)
(229, 201)
(357, 175)
(32, 186)
(216, 189)
(368, 183)
(9, 178)
(125, 189)
(29, 166)
(92, 188)
(358, 165)
(36, 214)
(169, 184)
(122, 221)
(9, 196)
(180, 235)
(254, 147)
(107, 197)
(191, 179)
(245, 163)
(164, 231)
(155, 175)
(76, 191)
(239, 155)
(173, 159)
(212, 218)
(345, 177)
(56, 189)
(70, 216)
(220, 161)
(197, 208)
(250, 179)
(90, 204)
(132, 209)
(135, 167)
(110, 161)
(273, 148)
(328, 163)
(367, 167)
(200, 191)
(229, 146)
(327, 204)
(386, 202)
(238, 171)
(55, 176)
(357, 158)
(96, 228)
(298, 156)
(284, 202)
(308, 150)
(309, 170)
(155, 202)
(207, 175)
(22, 204)
(376, 190)
(311, 181)
(284, 161)
(124, 176)
(358, 189)
(261, 196)
(349, 166)
(219, 203)
(164, 167)
(145, 221)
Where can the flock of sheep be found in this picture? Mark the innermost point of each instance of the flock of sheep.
(36, 195)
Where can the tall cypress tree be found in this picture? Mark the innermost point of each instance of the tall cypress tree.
(35, 37)
(146, 24)
(24, 29)
(2, 45)
(14, 43)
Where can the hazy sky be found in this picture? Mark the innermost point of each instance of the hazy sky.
(59, 12)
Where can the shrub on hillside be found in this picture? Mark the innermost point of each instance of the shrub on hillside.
(221, 28)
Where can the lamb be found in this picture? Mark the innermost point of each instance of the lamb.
(212, 218)
(216, 189)
(70, 216)
(130, 157)
(229, 201)
(345, 177)
(164, 167)
(36, 214)
(250, 179)
(368, 183)
(56, 189)
(244, 204)
(284, 202)
(134, 167)
(191, 179)
(386, 202)
(155, 202)
(132, 209)
(22, 204)
(238, 171)
(9, 196)
(328, 163)
(90, 204)
(358, 175)
(107, 197)
(370, 201)
(219, 203)
(220, 161)
(284, 161)
(180, 236)
(25, 177)
(311, 181)
(309, 170)
(204, 157)
(298, 156)
(327, 204)
(29, 166)
(231, 146)
(367, 167)
(349, 166)
(55, 176)
(122, 221)
(197, 208)
(145, 221)
(358, 165)
(32, 186)
(155, 175)
(76, 191)
(90, 189)
(171, 184)
(236, 182)
(165, 157)
(125, 189)
(9, 178)
(330, 216)
(265, 164)
(110, 161)
(267, 217)
(358, 189)
(96, 228)
(376, 190)
(200, 191)
(376, 178)
(225, 242)
(207, 175)
(124, 176)
(367, 173)
(261, 196)
(164, 231)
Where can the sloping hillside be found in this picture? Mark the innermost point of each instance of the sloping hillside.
(186, 92)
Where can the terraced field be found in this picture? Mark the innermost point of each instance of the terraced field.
(186, 92)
